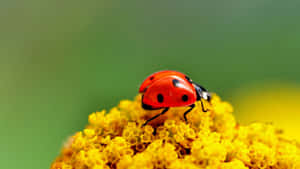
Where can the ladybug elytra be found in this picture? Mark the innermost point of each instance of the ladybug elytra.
(165, 89)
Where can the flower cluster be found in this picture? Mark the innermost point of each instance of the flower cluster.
(209, 140)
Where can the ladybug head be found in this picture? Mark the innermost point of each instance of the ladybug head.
(202, 92)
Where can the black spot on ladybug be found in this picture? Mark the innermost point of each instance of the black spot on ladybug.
(184, 98)
(188, 79)
(175, 82)
(160, 98)
(145, 89)
(152, 77)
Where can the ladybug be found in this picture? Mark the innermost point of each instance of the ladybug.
(167, 88)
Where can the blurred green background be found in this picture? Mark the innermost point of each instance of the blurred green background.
(61, 60)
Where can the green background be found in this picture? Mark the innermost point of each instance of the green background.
(61, 60)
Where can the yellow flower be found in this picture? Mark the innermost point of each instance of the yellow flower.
(211, 140)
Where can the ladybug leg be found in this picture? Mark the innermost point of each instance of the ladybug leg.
(202, 106)
(185, 113)
(154, 117)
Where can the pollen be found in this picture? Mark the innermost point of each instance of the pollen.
(117, 139)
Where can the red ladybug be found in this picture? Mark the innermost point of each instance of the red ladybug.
(169, 88)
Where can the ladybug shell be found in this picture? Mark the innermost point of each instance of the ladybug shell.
(169, 91)
(156, 76)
